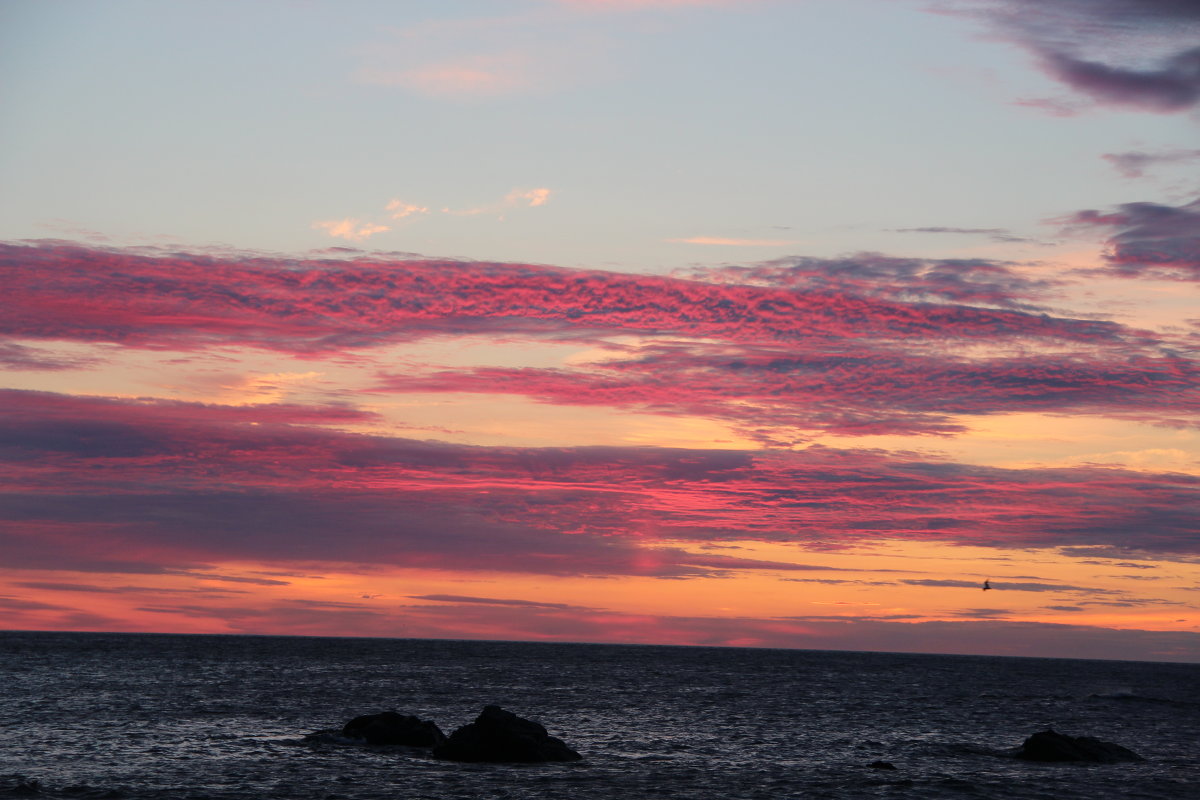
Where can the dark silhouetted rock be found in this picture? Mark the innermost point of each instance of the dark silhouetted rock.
(881, 765)
(501, 736)
(1049, 745)
(25, 788)
(392, 728)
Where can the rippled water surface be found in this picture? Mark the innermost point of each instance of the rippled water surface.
(222, 717)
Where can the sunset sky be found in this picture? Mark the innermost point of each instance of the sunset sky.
(776, 323)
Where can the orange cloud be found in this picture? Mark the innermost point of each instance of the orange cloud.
(535, 197)
(531, 198)
(350, 229)
(400, 209)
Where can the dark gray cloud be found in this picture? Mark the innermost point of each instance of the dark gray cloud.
(1002, 585)
(1148, 239)
(62, 586)
(952, 583)
(233, 579)
(1173, 85)
(21, 614)
(489, 601)
(953, 280)
(1135, 54)
(841, 581)
(20, 604)
(982, 613)
(14, 356)
(972, 635)
(995, 234)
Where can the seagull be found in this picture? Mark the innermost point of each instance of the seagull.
(986, 585)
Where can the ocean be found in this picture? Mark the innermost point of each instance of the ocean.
(195, 717)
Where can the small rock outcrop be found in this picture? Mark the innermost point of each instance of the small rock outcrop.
(501, 736)
(25, 788)
(1049, 745)
(390, 727)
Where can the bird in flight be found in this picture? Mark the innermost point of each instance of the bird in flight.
(986, 585)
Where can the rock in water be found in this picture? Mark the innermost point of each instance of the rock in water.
(501, 736)
(389, 727)
(25, 788)
(1049, 745)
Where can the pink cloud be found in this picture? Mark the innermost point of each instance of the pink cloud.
(852, 346)
(177, 300)
(856, 391)
(113, 485)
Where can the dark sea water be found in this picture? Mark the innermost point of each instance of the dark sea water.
(220, 717)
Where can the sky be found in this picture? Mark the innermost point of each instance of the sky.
(755, 323)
